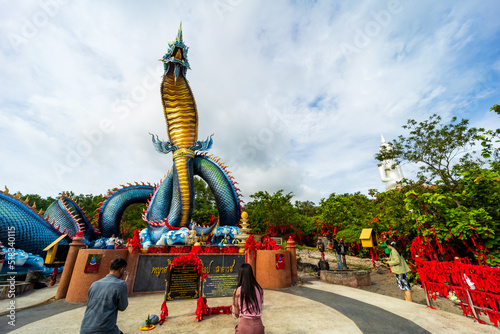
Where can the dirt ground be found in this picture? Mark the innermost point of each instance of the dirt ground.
(382, 282)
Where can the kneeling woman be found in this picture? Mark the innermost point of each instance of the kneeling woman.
(247, 302)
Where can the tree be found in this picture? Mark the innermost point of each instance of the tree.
(391, 212)
(496, 108)
(442, 150)
(348, 212)
(205, 209)
(38, 201)
(132, 219)
(458, 214)
(306, 208)
(271, 211)
(488, 140)
(204, 198)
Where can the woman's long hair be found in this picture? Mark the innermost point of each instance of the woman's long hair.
(248, 283)
(392, 243)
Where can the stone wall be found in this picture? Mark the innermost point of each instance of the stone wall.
(348, 277)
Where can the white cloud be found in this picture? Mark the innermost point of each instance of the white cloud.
(289, 106)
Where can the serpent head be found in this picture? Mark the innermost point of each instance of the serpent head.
(176, 56)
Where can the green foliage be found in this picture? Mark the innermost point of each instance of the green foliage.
(464, 220)
(495, 108)
(89, 203)
(441, 150)
(459, 214)
(132, 219)
(204, 198)
(349, 212)
(391, 211)
(205, 208)
(271, 210)
(489, 139)
(275, 215)
(38, 201)
(306, 208)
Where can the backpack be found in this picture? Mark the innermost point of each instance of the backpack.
(342, 248)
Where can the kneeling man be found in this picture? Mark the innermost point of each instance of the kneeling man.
(106, 297)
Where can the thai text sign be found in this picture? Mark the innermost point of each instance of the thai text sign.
(222, 270)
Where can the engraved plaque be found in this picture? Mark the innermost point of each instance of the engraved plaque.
(183, 283)
(222, 274)
(222, 270)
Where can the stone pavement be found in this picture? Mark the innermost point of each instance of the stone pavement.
(316, 307)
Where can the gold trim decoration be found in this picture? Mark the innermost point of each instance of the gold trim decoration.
(183, 152)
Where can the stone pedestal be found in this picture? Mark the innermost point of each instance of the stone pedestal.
(251, 258)
(293, 259)
(349, 277)
(80, 282)
(267, 275)
(69, 265)
(132, 260)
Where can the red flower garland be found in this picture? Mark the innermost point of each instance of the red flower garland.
(480, 282)
(267, 243)
(202, 309)
(164, 312)
(135, 242)
(250, 244)
(193, 249)
(190, 259)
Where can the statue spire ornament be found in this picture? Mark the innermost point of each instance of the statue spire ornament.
(390, 171)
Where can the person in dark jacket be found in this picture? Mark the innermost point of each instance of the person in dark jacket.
(336, 249)
(343, 251)
(106, 297)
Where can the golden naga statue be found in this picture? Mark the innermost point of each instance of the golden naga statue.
(181, 116)
(173, 203)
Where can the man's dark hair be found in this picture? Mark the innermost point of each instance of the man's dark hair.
(118, 264)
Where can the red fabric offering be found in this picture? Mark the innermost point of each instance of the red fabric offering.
(480, 282)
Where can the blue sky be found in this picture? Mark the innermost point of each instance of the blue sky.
(296, 93)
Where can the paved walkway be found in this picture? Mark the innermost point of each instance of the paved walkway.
(317, 307)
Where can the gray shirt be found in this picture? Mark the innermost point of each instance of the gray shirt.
(106, 297)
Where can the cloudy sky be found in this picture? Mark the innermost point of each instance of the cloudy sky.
(296, 93)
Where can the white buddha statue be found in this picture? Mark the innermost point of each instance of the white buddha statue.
(390, 171)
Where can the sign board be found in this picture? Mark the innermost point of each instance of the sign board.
(368, 238)
(93, 263)
(222, 273)
(222, 270)
(52, 250)
(183, 283)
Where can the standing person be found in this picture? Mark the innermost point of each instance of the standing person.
(329, 245)
(400, 268)
(119, 242)
(336, 249)
(387, 251)
(247, 302)
(110, 244)
(343, 251)
(107, 296)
